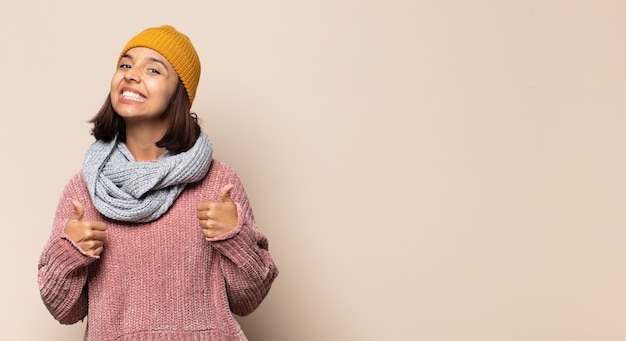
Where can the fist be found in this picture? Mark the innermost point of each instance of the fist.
(217, 218)
(88, 235)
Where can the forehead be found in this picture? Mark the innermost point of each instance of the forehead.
(146, 54)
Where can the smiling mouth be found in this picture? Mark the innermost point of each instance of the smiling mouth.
(133, 96)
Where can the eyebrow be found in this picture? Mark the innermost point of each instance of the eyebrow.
(153, 59)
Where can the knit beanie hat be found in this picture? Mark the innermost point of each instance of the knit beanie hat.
(176, 48)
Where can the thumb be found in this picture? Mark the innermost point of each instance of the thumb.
(79, 210)
(225, 193)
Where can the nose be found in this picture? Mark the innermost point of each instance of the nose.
(131, 75)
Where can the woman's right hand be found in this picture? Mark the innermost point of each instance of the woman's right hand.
(88, 235)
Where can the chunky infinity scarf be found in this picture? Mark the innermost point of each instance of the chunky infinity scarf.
(126, 190)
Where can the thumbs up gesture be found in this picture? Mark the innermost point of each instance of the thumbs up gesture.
(88, 235)
(217, 218)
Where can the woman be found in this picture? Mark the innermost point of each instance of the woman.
(152, 239)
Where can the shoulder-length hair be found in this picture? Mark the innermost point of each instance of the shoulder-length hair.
(182, 132)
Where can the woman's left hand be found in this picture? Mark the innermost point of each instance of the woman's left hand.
(217, 218)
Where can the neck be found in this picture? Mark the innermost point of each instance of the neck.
(141, 142)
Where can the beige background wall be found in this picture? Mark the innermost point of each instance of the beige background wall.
(425, 170)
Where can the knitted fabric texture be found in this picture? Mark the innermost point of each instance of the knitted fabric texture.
(176, 48)
(161, 280)
(126, 190)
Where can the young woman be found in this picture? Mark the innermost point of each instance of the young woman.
(153, 239)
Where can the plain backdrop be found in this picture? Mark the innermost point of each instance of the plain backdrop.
(425, 170)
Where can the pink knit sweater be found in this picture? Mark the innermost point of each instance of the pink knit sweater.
(161, 280)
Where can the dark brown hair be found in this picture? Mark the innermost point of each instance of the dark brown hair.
(181, 135)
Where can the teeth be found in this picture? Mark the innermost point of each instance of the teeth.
(133, 96)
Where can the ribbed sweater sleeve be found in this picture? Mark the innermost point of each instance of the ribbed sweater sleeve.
(62, 267)
(245, 262)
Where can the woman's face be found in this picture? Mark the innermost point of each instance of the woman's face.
(143, 85)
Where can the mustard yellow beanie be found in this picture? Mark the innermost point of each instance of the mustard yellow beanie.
(177, 48)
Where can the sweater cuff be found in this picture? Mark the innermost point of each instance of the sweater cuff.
(67, 255)
(241, 247)
(240, 243)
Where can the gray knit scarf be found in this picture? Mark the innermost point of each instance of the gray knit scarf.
(130, 191)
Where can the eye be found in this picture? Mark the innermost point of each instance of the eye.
(124, 66)
(155, 71)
